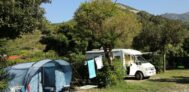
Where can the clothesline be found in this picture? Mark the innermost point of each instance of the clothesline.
(91, 66)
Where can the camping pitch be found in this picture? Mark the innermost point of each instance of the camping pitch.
(43, 76)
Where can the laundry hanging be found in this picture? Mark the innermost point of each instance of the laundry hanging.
(91, 68)
(98, 61)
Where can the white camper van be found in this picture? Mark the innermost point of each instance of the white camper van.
(132, 60)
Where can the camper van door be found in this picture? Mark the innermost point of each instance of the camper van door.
(133, 69)
(131, 63)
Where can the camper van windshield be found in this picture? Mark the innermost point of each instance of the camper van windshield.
(140, 59)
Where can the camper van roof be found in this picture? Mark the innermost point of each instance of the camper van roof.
(126, 51)
(129, 51)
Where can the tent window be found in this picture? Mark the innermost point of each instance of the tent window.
(48, 78)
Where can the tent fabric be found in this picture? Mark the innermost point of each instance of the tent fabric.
(66, 68)
(33, 69)
(17, 73)
(60, 80)
(22, 75)
(22, 66)
(35, 83)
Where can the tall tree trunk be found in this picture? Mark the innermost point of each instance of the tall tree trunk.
(164, 62)
(108, 54)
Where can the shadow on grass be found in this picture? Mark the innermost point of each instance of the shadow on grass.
(176, 79)
(129, 78)
(133, 78)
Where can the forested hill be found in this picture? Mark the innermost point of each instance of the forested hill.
(127, 7)
(184, 17)
(173, 16)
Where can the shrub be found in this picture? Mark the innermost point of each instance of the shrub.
(107, 76)
(80, 73)
(157, 61)
(76, 57)
(3, 76)
(3, 80)
(110, 75)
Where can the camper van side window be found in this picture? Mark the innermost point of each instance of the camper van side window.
(127, 58)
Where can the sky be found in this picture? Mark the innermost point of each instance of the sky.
(63, 10)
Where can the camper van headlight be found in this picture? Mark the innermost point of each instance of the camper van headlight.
(149, 68)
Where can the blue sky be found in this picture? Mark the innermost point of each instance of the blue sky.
(63, 10)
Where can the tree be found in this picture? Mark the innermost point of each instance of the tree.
(18, 16)
(90, 17)
(131, 27)
(66, 41)
(115, 31)
(160, 34)
(102, 23)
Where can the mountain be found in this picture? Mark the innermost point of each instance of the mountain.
(127, 7)
(183, 17)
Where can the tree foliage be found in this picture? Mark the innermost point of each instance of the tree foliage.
(128, 23)
(103, 24)
(159, 33)
(66, 41)
(90, 17)
(162, 35)
(18, 16)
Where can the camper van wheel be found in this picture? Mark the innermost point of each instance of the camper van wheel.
(139, 76)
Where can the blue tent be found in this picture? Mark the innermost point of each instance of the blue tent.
(43, 76)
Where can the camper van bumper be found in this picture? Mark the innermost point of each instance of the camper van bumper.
(150, 73)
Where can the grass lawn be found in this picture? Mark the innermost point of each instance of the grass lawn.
(170, 81)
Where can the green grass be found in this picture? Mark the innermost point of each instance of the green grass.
(170, 81)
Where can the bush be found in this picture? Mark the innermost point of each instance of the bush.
(3, 77)
(157, 61)
(107, 76)
(110, 75)
(76, 57)
(3, 80)
(80, 73)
